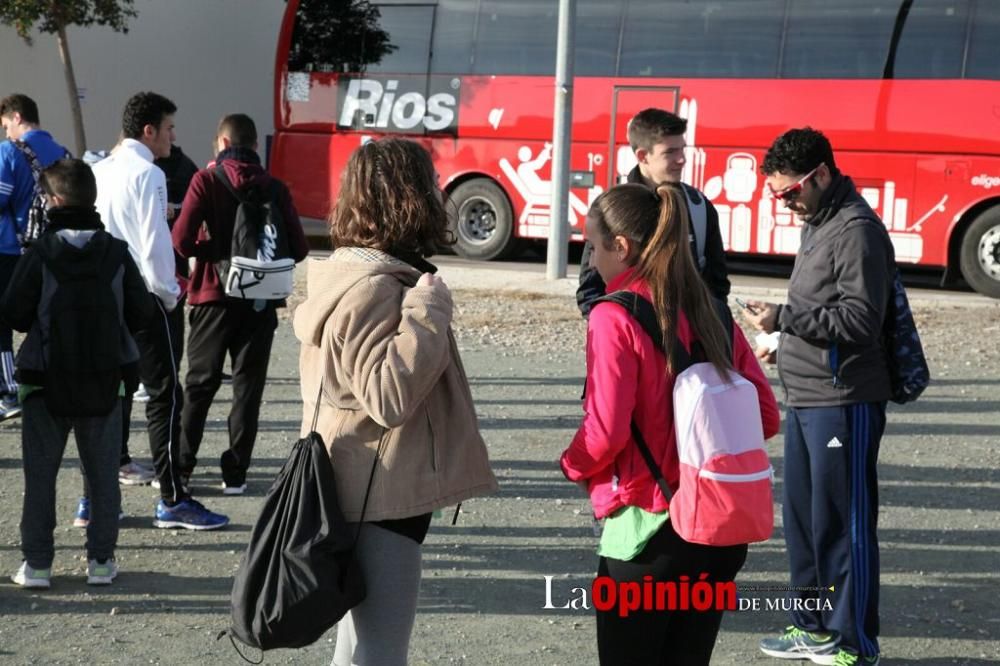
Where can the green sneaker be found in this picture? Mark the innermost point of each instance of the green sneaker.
(101, 573)
(796, 643)
(845, 657)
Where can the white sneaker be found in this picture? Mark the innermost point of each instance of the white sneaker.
(233, 490)
(101, 573)
(134, 474)
(140, 395)
(34, 578)
(185, 483)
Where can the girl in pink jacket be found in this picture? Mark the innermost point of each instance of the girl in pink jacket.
(641, 245)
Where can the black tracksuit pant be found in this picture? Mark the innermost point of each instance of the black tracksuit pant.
(235, 328)
(160, 348)
(661, 638)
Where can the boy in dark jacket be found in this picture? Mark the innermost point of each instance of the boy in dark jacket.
(657, 138)
(76, 293)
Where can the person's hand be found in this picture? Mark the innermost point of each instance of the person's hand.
(429, 280)
(766, 355)
(433, 281)
(762, 315)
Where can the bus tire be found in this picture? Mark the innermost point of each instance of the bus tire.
(481, 218)
(979, 258)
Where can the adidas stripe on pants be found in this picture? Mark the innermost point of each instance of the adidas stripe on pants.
(830, 515)
(8, 262)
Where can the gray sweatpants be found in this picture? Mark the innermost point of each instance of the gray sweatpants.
(43, 442)
(377, 631)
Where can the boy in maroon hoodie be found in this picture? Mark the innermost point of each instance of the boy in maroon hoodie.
(222, 324)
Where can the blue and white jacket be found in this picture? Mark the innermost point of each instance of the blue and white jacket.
(17, 185)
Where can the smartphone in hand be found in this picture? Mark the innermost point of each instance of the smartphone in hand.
(743, 304)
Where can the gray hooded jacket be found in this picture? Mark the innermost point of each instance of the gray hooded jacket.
(832, 349)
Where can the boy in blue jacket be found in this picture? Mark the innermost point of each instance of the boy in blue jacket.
(26, 143)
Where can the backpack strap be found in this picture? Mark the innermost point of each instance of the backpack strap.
(647, 455)
(698, 212)
(32, 157)
(223, 177)
(640, 309)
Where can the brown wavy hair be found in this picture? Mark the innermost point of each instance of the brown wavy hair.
(657, 224)
(389, 200)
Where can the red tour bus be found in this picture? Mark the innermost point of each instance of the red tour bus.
(906, 90)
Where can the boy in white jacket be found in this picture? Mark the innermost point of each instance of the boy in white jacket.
(132, 201)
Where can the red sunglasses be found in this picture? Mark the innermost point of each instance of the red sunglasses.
(791, 193)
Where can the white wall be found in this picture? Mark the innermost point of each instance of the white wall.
(211, 57)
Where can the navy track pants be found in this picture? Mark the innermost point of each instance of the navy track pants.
(830, 516)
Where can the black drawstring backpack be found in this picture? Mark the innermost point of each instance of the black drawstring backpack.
(298, 576)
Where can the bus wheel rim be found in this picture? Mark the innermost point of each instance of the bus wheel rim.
(989, 252)
(477, 221)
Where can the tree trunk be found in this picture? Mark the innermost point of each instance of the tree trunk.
(74, 97)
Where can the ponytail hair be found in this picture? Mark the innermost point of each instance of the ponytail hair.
(658, 225)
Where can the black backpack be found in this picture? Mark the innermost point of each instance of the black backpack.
(298, 576)
(38, 220)
(258, 218)
(82, 343)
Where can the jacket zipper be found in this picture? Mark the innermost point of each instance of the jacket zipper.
(430, 428)
(777, 362)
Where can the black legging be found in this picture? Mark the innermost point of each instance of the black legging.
(665, 637)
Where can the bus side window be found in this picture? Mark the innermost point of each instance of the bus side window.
(517, 38)
(983, 62)
(702, 38)
(933, 40)
(409, 29)
(844, 39)
(342, 37)
(454, 30)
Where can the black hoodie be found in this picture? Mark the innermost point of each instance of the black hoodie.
(75, 236)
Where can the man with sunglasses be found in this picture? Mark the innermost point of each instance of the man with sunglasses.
(834, 369)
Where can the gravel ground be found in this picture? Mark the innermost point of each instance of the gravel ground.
(484, 589)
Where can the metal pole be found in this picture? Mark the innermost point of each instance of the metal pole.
(563, 120)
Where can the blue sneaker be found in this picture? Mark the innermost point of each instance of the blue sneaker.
(9, 407)
(189, 514)
(795, 643)
(82, 518)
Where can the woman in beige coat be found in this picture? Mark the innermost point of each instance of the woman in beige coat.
(378, 350)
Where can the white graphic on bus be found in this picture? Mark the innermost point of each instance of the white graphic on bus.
(537, 194)
(777, 230)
